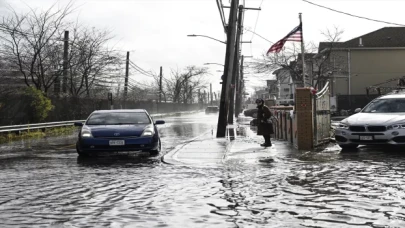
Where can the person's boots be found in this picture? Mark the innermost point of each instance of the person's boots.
(267, 142)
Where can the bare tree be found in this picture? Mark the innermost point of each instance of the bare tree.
(32, 43)
(182, 85)
(289, 59)
(327, 61)
(92, 63)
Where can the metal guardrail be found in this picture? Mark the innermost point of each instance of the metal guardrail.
(27, 127)
(39, 126)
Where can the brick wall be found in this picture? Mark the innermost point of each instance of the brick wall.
(304, 119)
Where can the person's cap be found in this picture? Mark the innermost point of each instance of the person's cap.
(259, 101)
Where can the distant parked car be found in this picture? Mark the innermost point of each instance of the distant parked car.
(253, 122)
(211, 109)
(118, 130)
(251, 112)
(382, 121)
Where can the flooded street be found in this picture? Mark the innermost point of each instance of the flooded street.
(43, 183)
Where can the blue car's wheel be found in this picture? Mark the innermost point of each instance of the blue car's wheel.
(81, 153)
(157, 151)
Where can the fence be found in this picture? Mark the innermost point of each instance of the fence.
(283, 126)
(322, 125)
(351, 102)
(13, 109)
(307, 124)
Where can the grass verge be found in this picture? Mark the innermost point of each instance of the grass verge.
(36, 134)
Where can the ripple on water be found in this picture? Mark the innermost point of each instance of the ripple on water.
(142, 192)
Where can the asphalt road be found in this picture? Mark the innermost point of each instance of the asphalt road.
(44, 184)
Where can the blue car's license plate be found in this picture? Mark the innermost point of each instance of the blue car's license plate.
(117, 142)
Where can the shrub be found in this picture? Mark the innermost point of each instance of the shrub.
(39, 105)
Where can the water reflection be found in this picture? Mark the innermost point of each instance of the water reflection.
(118, 160)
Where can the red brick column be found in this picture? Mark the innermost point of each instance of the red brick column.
(304, 118)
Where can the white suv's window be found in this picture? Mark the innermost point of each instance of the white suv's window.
(386, 106)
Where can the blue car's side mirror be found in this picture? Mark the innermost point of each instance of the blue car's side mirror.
(78, 124)
(159, 122)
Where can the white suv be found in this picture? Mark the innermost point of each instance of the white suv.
(382, 121)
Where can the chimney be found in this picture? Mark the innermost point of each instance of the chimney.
(360, 42)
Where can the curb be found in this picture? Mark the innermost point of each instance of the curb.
(170, 157)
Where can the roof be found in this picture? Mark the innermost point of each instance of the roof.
(306, 56)
(120, 110)
(324, 45)
(388, 37)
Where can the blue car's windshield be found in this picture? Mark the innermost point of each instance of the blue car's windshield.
(118, 118)
(386, 106)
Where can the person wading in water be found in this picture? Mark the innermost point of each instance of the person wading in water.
(264, 125)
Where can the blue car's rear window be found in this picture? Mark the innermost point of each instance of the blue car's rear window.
(118, 118)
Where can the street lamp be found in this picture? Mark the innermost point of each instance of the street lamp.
(194, 35)
(214, 64)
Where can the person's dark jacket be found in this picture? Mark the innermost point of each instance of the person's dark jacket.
(263, 115)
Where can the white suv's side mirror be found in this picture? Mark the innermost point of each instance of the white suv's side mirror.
(357, 110)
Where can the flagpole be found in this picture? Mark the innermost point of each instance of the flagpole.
(303, 53)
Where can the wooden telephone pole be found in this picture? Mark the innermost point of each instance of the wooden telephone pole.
(229, 61)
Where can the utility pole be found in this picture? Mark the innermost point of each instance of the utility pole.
(126, 76)
(239, 89)
(199, 98)
(191, 95)
(65, 61)
(160, 85)
(211, 92)
(229, 61)
(235, 70)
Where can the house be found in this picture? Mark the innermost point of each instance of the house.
(368, 61)
(262, 93)
(284, 83)
(272, 86)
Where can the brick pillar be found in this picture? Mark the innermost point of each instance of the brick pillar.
(303, 110)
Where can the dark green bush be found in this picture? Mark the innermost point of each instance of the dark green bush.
(39, 105)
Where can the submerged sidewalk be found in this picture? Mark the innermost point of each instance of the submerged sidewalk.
(241, 145)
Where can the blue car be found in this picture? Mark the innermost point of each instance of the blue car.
(118, 130)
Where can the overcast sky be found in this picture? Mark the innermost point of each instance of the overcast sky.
(155, 31)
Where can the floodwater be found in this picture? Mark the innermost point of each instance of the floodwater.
(44, 184)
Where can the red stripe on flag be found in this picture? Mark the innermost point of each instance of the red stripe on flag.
(295, 35)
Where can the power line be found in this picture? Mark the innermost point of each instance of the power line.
(352, 15)
(257, 19)
(221, 13)
(258, 35)
(140, 70)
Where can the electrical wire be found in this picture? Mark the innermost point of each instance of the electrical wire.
(221, 13)
(258, 35)
(140, 70)
(352, 15)
(257, 19)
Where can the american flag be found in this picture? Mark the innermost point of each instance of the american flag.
(294, 35)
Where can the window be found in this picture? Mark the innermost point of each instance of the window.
(118, 118)
(286, 89)
(386, 106)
